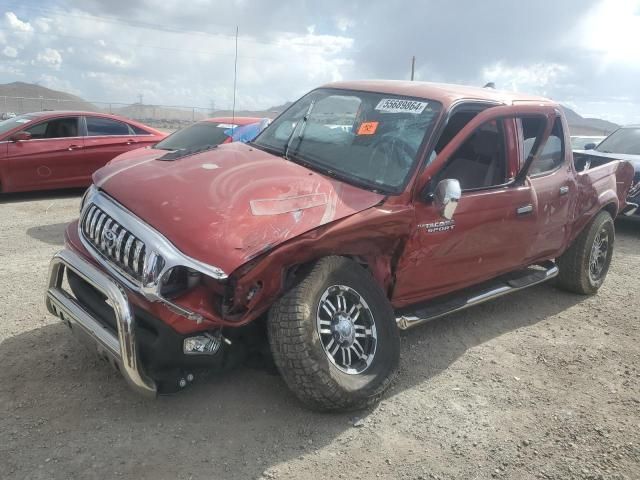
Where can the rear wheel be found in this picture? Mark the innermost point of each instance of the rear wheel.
(584, 266)
(334, 337)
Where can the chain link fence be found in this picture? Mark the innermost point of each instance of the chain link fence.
(159, 116)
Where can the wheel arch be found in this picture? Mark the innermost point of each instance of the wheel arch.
(611, 208)
(380, 268)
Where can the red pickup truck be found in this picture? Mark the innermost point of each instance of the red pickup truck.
(365, 208)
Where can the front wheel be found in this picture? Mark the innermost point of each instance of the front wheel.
(334, 337)
(584, 266)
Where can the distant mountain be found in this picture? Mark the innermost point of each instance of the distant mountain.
(580, 125)
(32, 97)
(280, 108)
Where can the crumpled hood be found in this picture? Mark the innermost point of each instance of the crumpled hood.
(227, 205)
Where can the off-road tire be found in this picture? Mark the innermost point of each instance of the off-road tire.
(574, 264)
(298, 350)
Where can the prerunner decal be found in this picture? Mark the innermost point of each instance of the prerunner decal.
(394, 105)
(367, 128)
(227, 125)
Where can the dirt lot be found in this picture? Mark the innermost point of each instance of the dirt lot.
(542, 384)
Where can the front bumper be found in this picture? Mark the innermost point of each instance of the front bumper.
(122, 348)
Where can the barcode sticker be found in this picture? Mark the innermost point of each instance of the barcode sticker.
(395, 105)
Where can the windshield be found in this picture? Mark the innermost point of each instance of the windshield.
(623, 140)
(208, 134)
(198, 135)
(368, 138)
(14, 122)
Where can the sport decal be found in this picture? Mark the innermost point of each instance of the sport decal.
(435, 227)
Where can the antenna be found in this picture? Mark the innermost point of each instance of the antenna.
(413, 67)
(235, 79)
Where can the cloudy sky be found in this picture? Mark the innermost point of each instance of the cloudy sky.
(584, 53)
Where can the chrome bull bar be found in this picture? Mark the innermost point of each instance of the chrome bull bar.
(122, 349)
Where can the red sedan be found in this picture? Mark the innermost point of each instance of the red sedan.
(47, 150)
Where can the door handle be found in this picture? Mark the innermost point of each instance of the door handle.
(74, 147)
(525, 209)
(129, 142)
(564, 190)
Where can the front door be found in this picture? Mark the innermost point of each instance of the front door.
(493, 224)
(50, 159)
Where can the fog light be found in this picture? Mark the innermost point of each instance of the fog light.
(204, 344)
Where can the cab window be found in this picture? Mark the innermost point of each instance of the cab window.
(551, 156)
(55, 128)
(481, 161)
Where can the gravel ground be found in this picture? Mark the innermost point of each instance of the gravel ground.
(540, 384)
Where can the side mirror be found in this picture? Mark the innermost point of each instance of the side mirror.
(446, 197)
(20, 136)
(590, 146)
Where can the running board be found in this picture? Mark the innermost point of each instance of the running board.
(439, 307)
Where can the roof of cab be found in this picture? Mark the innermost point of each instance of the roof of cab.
(444, 93)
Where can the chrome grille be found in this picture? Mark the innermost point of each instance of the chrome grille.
(114, 242)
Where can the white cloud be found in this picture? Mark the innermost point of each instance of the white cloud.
(16, 24)
(11, 70)
(50, 57)
(42, 24)
(288, 49)
(10, 52)
(344, 23)
(535, 78)
(612, 31)
(55, 83)
(115, 60)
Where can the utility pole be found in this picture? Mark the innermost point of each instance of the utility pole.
(413, 67)
(235, 78)
(140, 98)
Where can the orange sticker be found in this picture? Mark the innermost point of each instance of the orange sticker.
(368, 128)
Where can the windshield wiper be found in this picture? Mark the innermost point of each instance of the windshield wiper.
(301, 124)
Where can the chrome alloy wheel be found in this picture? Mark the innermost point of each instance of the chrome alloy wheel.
(599, 253)
(346, 328)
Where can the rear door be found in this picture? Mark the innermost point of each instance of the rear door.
(551, 175)
(495, 219)
(52, 158)
(106, 139)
